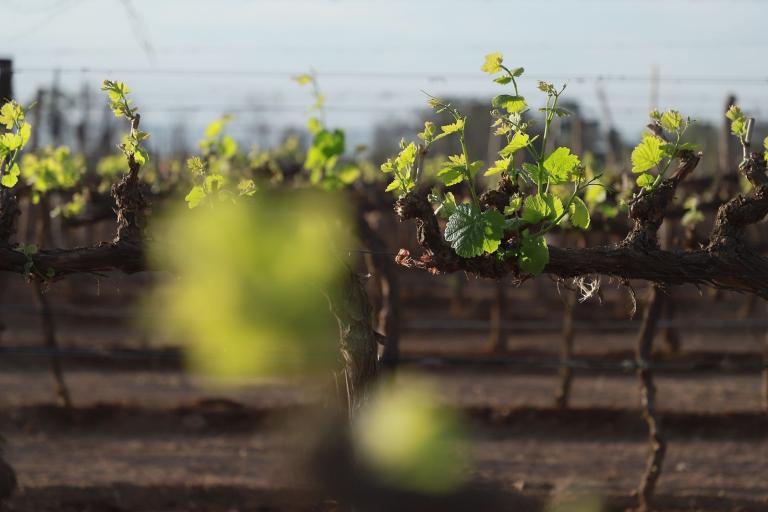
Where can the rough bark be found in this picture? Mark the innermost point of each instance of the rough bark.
(385, 270)
(358, 343)
(49, 334)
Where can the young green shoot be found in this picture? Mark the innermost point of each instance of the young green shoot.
(16, 136)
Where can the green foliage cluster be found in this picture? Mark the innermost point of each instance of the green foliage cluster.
(52, 169)
(249, 300)
(324, 156)
(653, 156)
(740, 128)
(214, 169)
(123, 107)
(549, 183)
(16, 133)
(223, 173)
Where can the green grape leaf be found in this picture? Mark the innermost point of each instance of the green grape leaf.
(451, 174)
(447, 206)
(406, 158)
(532, 170)
(579, 213)
(330, 143)
(453, 127)
(404, 185)
(498, 167)
(514, 205)
(560, 165)
(647, 154)
(513, 104)
(475, 167)
(595, 194)
(671, 120)
(518, 142)
(534, 254)
(8, 114)
(11, 141)
(394, 185)
(472, 232)
(25, 132)
(734, 113)
(645, 180)
(326, 147)
(493, 229)
(429, 132)
(195, 196)
(738, 121)
(11, 177)
(140, 156)
(535, 209)
(465, 231)
(455, 171)
(492, 63)
(542, 207)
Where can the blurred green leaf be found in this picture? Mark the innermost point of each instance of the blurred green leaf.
(251, 280)
(410, 442)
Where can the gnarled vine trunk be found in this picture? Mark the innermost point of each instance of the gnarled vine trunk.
(563, 395)
(358, 343)
(644, 353)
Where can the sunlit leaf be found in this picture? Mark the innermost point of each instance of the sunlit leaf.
(647, 154)
(518, 142)
(561, 164)
(492, 63)
(579, 213)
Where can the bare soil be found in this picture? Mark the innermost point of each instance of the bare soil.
(160, 440)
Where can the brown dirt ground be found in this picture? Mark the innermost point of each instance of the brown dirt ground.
(160, 440)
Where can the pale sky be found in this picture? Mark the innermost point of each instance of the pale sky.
(374, 58)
